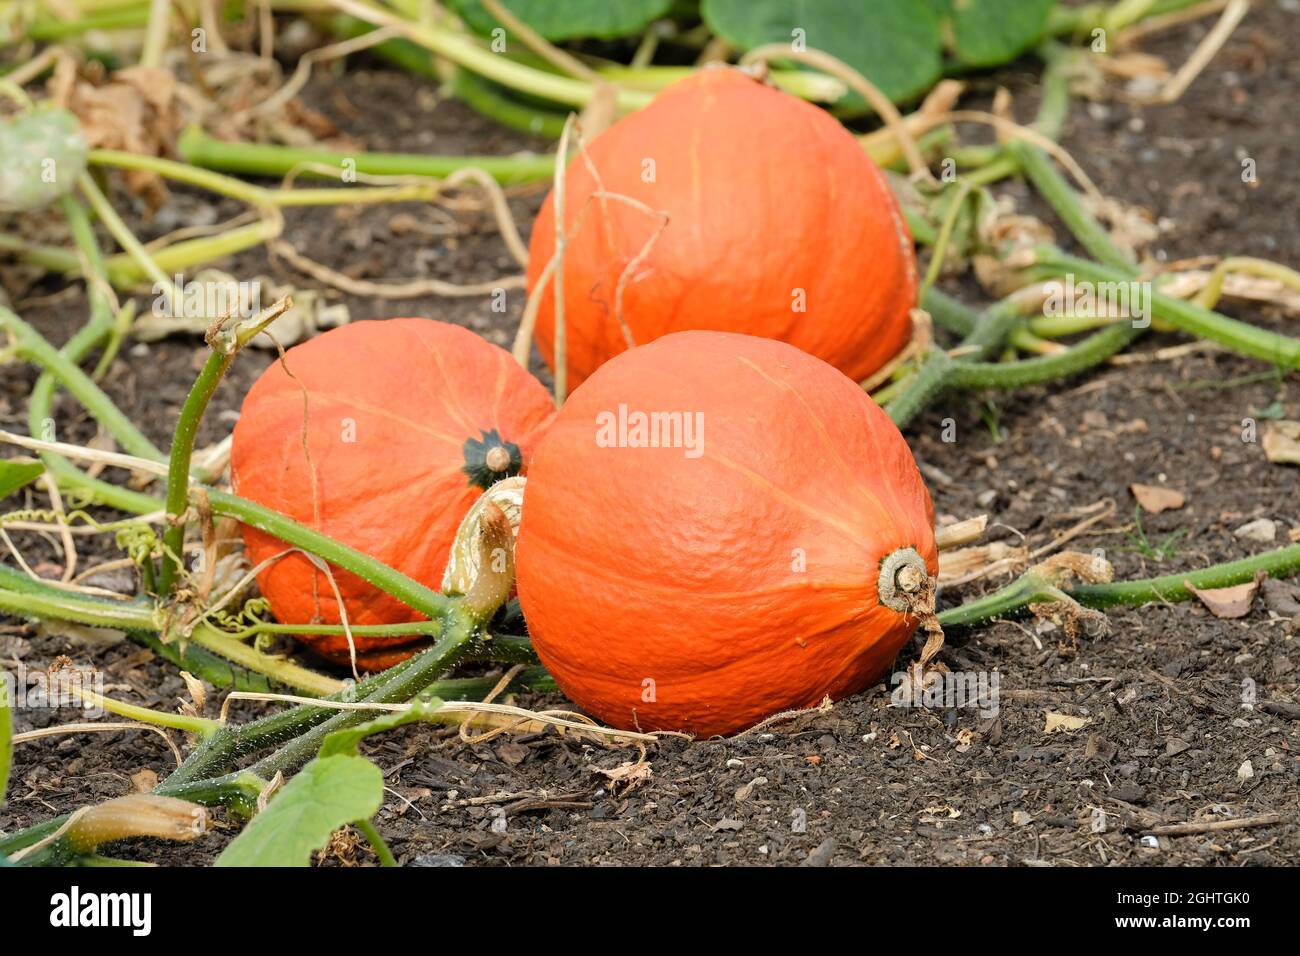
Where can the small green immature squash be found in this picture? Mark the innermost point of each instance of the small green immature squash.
(741, 542)
(778, 225)
(381, 435)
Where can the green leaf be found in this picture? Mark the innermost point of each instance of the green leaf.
(328, 793)
(992, 32)
(6, 735)
(893, 43)
(567, 19)
(18, 474)
(44, 153)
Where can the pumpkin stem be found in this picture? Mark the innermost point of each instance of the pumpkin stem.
(496, 564)
(903, 575)
(490, 458)
(905, 586)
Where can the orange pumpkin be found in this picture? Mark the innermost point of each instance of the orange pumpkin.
(779, 225)
(407, 421)
(734, 549)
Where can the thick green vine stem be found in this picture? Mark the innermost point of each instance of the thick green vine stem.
(225, 344)
(412, 593)
(208, 652)
(238, 791)
(1033, 587)
(429, 602)
(1278, 563)
(1093, 350)
(40, 405)
(1184, 316)
(32, 347)
(1052, 185)
(983, 340)
(300, 730)
(6, 735)
(201, 149)
(178, 469)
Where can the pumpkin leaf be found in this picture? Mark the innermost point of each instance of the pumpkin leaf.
(895, 44)
(15, 475)
(44, 153)
(572, 18)
(328, 793)
(989, 32)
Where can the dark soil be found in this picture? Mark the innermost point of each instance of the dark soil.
(1166, 734)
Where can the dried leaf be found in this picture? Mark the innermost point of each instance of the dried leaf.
(1156, 498)
(1057, 722)
(1282, 442)
(134, 110)
(959, 533)
(961, 562)
(512, 754)
(626, 777)
(1228, 603)
(197, 692)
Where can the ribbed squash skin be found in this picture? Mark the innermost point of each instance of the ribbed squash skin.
(410, 391)
(683, 571)
(766, 194)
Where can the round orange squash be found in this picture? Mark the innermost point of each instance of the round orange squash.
(406, 421)
(734, 548)
(779, 225)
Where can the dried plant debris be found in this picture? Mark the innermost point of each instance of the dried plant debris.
(212, 294)
(1156, 498)
(1229, 603)
(1281, 442)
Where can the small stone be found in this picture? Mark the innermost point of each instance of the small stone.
(1246, 771)
(1263, 530)
(735, 764)
(438, 859)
